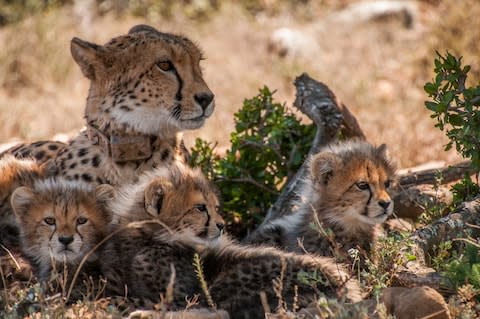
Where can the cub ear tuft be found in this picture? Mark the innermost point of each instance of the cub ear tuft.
(154, 196)
(21, 200)
(382, 150)
(143, 28)
(87, 56)
(323, 165)
(104, 194)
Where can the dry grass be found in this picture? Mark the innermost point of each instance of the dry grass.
(374, 67)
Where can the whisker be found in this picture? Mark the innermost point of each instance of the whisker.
(176, 112)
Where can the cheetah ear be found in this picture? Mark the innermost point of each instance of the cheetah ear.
(87, 55)
(105, 193)
(48, 168)
(143, 28)
(382, 151)
(21, 199)
(323, 165)
(154, 195)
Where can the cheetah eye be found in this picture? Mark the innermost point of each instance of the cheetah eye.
(165, 66)
(49, 221)
(81, 220)
(387, 183)
(362, 185)
(202, 208)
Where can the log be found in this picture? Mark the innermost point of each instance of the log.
(415, 192)
(413, 201)
(430, 176)
(319, 103)
(451, 227)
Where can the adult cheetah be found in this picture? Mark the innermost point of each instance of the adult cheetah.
(145, 88)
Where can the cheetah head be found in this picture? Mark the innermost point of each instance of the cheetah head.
(61, 220)
(350, 183)
(180, 197)
(145, 82)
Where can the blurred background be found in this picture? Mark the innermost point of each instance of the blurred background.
(375, 55)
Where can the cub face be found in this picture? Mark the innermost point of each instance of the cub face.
(180, 197)
(60, 220)
(147, 81)
(185, 207)
(350, 182)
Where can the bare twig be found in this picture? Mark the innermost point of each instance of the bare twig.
(249, 180)
(264, 300)
(11, 256)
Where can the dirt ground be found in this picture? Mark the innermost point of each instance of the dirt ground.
(376, 66)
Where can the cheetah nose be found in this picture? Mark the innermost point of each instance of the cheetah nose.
(384, 203)
(220, 226)
(65, 240)
(204, 99)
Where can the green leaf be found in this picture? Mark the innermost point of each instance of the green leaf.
(411, 257)
(455, 119)
(448, 97)
(430, 88)
(432, 106)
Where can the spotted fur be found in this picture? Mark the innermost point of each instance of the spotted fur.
(343, 202)
(144, 86)
(60, 222)
(178, 196)
(41, 151)
(140, 264)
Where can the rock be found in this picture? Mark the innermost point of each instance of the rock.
(418, 302)
(186, 314)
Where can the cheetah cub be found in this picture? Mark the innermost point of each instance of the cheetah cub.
(342, 205)
(60, 222)
(138, 263)
(14, 173)
(137, 260)
(180, 197)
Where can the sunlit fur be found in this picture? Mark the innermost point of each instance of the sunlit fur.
(14, 173)
(136, 108)
(172, 195)
(332, 193)
(55, 209)
(138, 263)
(130, 92)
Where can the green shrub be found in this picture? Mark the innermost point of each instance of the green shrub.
(269, 145)
(456, 109)
(466, 269)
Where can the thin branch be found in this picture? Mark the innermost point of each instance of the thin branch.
(248, 180)
(262, 146)
(11, 256)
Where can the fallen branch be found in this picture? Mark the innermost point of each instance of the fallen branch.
(320, 104)
(442, 175)
(451, 227)
(413, 201)
(418, 191)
